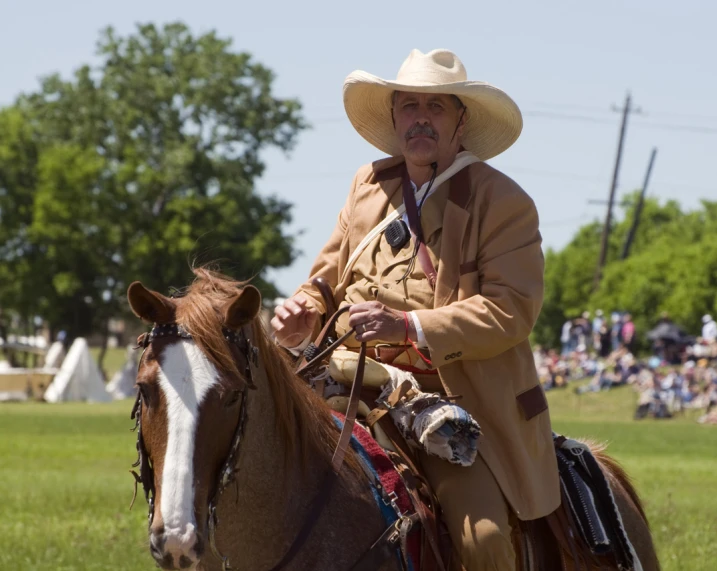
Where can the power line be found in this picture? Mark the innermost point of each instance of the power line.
(553, 174)
(567, 117)
(589, 109)
(698, 129)
(509, 169)
(563, 222)
(670, 127)
(604, 110)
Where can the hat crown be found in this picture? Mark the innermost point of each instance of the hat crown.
(437, 67)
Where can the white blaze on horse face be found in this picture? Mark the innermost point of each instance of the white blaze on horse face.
(185, 377)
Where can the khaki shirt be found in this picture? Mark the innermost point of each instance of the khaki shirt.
(377, 273)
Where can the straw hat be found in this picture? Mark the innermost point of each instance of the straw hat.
(493, 120)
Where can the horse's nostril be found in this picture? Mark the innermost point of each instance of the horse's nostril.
(185, 562)
(166, 562)
(199, 547)
(156, 542)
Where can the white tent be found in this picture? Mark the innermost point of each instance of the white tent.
(54, 355)
(79, 377)
(122, 385)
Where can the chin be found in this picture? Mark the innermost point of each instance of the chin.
(422, 151)
(420, 157)
(420, 161)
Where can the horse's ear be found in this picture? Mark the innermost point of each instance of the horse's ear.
(149, 305)
(243, 308)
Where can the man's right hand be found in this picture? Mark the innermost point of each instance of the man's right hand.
(293, 321)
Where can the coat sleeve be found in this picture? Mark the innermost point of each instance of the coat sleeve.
(510, 273)
(327, 263)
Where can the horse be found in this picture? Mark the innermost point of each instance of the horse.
(234, 448)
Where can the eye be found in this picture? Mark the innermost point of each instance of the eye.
(145, 392)
(232, 398)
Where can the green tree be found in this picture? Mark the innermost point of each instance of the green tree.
(135, 168)
(672, 268)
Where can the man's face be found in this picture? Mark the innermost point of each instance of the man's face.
(425, 124)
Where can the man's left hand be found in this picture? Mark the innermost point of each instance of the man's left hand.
(376, 322)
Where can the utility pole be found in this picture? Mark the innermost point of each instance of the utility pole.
(638, 208)
(626, 110)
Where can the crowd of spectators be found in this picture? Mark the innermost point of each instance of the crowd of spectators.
(680, 372)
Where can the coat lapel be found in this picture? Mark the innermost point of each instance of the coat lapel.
(375, 198)
(455, 221)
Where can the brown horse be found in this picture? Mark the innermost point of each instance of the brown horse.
(233, 442)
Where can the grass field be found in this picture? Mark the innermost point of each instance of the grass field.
(114, 359)
(66, 489)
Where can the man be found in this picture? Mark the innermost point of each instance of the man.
(471, 327)
(627, 333)
(616, 330)
(566, 335)
(709, 329)
(597, 324)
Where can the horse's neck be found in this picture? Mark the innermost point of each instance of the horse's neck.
(260, 517)
(269, 500)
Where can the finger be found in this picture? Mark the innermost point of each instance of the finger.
(358, 318)
(301, 299)
(282, 313)
(294, 307)
(362, 307)
(277, 324)
(368, 335)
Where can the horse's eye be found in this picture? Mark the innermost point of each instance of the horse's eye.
(232, 398)
(145, 392)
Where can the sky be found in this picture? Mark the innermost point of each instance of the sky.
(568, 65)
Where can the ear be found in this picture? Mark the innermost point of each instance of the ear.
(243, 308)
(149, 305)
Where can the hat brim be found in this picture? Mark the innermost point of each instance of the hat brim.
(493, 120)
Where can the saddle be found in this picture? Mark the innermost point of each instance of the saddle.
(585, 531)
(424, 519)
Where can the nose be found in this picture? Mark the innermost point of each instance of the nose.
(176, 548)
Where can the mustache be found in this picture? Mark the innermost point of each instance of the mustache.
(426, 130)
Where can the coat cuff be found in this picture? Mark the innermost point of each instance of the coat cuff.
(439, 341)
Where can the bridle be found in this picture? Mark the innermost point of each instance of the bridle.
(227, 474)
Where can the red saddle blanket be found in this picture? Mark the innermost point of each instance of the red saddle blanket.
(376, 460)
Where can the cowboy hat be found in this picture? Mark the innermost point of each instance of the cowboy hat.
(493, 120)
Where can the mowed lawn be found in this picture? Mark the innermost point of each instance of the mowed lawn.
(66, 488)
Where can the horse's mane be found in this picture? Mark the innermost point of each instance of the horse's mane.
(303, 419)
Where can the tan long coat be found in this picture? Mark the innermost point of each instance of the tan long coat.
(488, 295)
